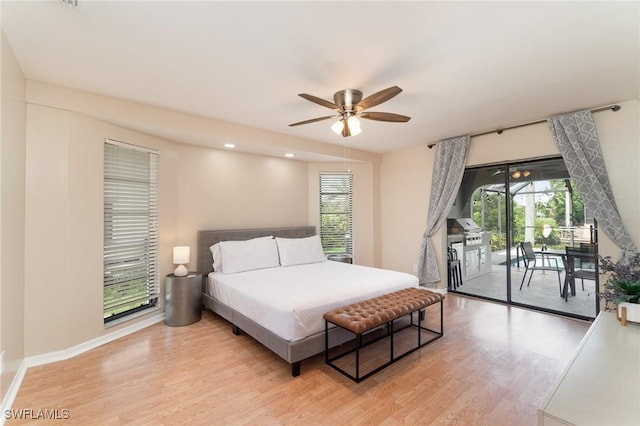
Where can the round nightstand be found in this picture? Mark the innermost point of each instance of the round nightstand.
(182, 299)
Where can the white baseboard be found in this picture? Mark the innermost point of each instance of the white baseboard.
(50, 357)
(12, 392)
(47, 358)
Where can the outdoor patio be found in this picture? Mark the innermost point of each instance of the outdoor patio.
(543, 291)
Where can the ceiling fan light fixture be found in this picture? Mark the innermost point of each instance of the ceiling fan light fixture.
(526, 173)
(516, 174)
(349, 102)
(354, 125)
(337, 127)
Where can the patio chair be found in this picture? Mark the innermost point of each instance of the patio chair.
(454, 268)
(538, 262)
(587, 263)
(574, 263)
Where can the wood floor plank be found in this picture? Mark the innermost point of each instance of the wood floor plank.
(494, 366)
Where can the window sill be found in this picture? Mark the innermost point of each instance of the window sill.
(131, 317)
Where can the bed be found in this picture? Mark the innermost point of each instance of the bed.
(287, 321)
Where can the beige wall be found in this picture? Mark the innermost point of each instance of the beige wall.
(64, 233)
(406, 181)
(365, 200)
(183, 127)
(619, 134)
(12, 208)
(200, 188)
(221, 189)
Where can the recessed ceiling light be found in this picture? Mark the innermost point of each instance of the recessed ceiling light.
(229, 145)
(289, 155)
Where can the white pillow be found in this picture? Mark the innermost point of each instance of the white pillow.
(217, 254)
(240, 256)
(298, 251)
(217, 257)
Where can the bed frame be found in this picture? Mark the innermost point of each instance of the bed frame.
(292, 352)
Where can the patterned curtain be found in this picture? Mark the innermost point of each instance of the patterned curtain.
(576, 137)
(451, 156)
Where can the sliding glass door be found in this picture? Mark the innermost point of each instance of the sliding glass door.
(477, 232)
(511, 225)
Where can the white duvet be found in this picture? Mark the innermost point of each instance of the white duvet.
(290, 301)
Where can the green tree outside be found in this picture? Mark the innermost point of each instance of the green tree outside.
(551, 212)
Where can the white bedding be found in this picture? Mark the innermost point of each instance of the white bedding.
(290, 301)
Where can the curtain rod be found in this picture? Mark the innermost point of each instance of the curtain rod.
(500, 130)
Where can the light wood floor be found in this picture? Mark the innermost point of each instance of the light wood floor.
(494, 366)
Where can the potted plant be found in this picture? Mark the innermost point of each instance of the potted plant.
(622, 288)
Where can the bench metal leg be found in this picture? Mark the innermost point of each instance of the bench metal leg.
(390, 334)
(358, 346)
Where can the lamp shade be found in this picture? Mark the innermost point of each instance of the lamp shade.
(354, 125)
(355, 131)
(181, 254)
(337, 127)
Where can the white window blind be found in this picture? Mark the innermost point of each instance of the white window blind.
(336, 212)
(130, 229)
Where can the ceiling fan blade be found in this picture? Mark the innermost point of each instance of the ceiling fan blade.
(313, 120)
(320, 101)
(385, 116)
(378, 98)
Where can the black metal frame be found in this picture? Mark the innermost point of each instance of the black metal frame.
(389, 333)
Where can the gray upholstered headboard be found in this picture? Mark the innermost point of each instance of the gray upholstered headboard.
(208, 238)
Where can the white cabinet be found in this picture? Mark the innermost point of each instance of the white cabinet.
(471, 262)
(601, 384)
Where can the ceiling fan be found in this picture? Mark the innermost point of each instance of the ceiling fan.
(349, 105)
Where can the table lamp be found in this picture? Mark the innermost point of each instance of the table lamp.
(180, 257)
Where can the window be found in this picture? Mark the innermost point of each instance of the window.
(130, 229)
(336, 212)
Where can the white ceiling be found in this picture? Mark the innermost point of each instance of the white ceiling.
(464, 67)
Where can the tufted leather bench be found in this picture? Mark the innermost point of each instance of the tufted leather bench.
(362, 317)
